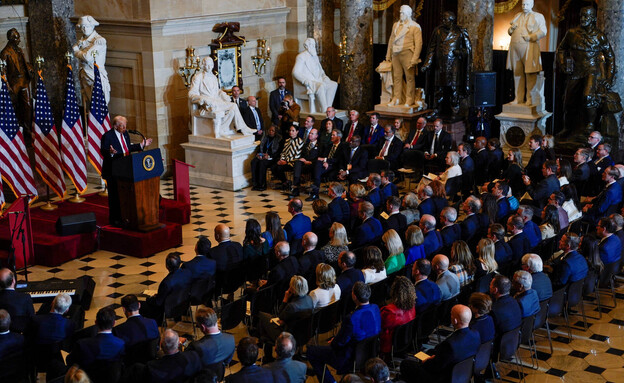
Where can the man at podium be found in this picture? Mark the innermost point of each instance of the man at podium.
(116, 144)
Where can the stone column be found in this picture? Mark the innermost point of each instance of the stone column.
(610, 20)
(356, 23)
(320, 26)
(477, 16)
(51, 36)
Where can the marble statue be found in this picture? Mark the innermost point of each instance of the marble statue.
(215, 103)
(311, 80)
(586, 56)
(19, 75)
(404, 48)
(450, 53)
(523, 58)
(90, 49)
(385, 73)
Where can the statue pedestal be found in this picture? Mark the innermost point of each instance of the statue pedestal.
(518, 123)
(221, 163)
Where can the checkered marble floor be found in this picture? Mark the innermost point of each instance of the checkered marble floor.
(594, 355)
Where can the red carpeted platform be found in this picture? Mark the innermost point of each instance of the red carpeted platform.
(53, 250)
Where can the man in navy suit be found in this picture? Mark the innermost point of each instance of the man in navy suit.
(331, 115)
(426, 205)
(427, 292)
(433, 239)
(236, 98)
(389, 150)
(500, 192)
(11, 343)
(413, 147)
(247, 352)
(252, 116)
(450, 231)
(53, 327)
(541, 282)
(387, 187)
(176, 280)
(285, 268)
(354, 162)
(571, 266)
(227, 254)
(462, 344)
(275, 100)
(328, 163)
(18, 304)
(548, 185)
(339, 209)
(437, 143)
(480, 158)
(609, 198)
(502, 251)
(505, 310)
(299, 224)
(470, 225)
(581, 172)
(104, 346)
(215, 346)
(116, 144)
(201, 267)
(284, 369)
(610, 245)
(136, 328)
(173, 366)
(364, 322)
(395, 220)
(518, 241)
(353, 127)
(468, 168)
(310, 257)
(370, 230)
(374, 133)
(527, 298)
(374, 194)
(349, 274)
(531, 229)
(538, 157)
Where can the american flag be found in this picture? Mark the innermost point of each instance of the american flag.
(14, 163)
(72, 148)
(46, 142)
(99, 121)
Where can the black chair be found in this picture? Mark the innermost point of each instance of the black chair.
(426, 322)
(379, 293)
(218, 369)
(547, 248)
(482, 285)
(302, 330)
(555, 307)
(263, 300)
(105, 371)
(401, 339)
(141, 352)
(607, 279)
(443, 314)
(13, 368)
(201, 291)
(462, 371)
(574, 297)
(526, 337)
(508, 348)
(540, 320)
(177, 304)
(591, 287)
(325, 320)
(231, 280)
(257, 268)
(364, 350)
(233, 313)
(482, 359)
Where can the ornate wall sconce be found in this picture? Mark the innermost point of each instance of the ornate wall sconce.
(191, 66)
(345, 58)
(39, 61)
(260, 59)
(3, 65)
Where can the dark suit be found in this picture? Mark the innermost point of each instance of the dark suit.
(298, 225)
(542, 285)
(214, 348)
(308, 262)
(413, 157)
(442, 146)
(282, 272)
(309, 153)
(347, 279)
(427, 294)
(533, 233)
(51, 328)
(397, 221)
(450, 234)
(10, 344)
(321, 226)
(333, 165)
(610, 249)
(528, 302)
(340, 211)
(580, 176)
(470, 226)
(484, 325)
(174, 281)
(393, 154)
(338, 124)
(481, 163)
(201, 267)
(503, 209)
(103, 346)
(270, 146)
(251, 374)
(110, 139)
(174, 368)
(275, 100)
(242, 104)
(375, 138)
(287, 371)
(468, 175)
(136, 329)
(358, 162)
(17, 304)
(227, 254)
(388, 190)
(534, 167)
(433, 242)
(349, 129)
(519, 245)
(374, 197)
(506, 314)
(542, 191)
(427, 206)
(495, 163)
(570, 268)
(460, 345)
(503, 252)
(369, 231)
(606, 202)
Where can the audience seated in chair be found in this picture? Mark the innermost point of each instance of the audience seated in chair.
(370, 230)
(136, 328)
(284, 369)
(11, 343)
(348, 274)
(176, 280)
(427, 292)
(173, 366)
(446, 281)
(202, 266)
(18, 304)
(400, 310)
(247, 352)
(215, 346)
(541, 281)
(525, 296)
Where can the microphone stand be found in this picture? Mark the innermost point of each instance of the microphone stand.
(137, 133)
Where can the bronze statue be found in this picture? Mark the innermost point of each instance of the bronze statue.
(19, 75)
(586, 56)
(450, 53)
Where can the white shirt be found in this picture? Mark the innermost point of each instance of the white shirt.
(321, 297)
(372, 276)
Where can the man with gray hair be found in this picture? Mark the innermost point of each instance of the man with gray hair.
(339, 209)
(471, 223)
(450, 231)
(433, 239)
(370, 230)
(173, 366)
(284, 368)
(285, 268)
(541, 282)
(531, 229)
(447, 281)
(571, 266)
(426, 205)
(53, 327)
(525, 296)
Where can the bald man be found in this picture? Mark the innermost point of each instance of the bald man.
(19, 305)
(227, 254)
(447, 281)
(253, 116)
(309, 257)
(462, 344)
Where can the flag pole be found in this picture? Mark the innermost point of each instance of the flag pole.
(48, 206)
(103, 193)
(76, 198)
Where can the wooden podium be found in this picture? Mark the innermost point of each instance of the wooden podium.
(138, 182)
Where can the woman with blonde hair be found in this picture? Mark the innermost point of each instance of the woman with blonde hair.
(327, 291)
(400, 310)
(415, 239)
(337, 243)
(374, 268)
(462, 263)
(76, 375)
(486, 263)
(548, 144)
(396, 258)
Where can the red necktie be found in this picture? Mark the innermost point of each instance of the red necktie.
(351, 133)
(382, 153)
(125, 147)
(416, 137)
(370, 135)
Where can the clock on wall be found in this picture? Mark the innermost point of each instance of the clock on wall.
(226, 54)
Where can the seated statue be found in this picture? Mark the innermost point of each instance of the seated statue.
(316, 85)
(215, 103)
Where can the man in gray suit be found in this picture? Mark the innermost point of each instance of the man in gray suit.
(447, 281)
(284, 368)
